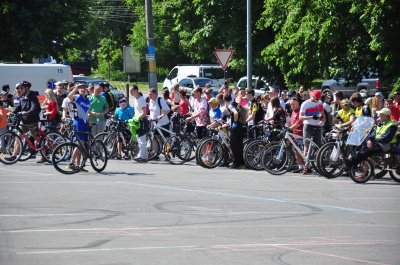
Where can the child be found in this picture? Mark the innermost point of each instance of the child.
(3, 124)
(124, 112)
(176, 127)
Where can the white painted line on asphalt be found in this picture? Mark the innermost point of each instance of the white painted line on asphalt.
(28, 172)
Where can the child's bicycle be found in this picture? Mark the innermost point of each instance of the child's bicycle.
(95, 151)
(16, 145)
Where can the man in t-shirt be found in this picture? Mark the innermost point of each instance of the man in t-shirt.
(313, 117)
(296, 125)
(99, 108)
(199, 114)
(360, 108)
(139, 105)
(60, 95)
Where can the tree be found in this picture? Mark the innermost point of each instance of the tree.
(41, 27)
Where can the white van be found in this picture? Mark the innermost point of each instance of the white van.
(214, 72)
(41, 76)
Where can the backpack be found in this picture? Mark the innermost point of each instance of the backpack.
(111, 101)
(159, 104)
(242, 114)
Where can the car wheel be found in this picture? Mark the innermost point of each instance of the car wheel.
(328, 93)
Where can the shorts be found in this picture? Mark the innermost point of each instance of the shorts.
(312, 131)
(299, 143)
(81, 126)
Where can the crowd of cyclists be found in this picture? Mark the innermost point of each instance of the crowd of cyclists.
(234, 112)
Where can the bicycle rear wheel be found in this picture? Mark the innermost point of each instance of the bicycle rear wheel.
(27, 151)
(177, 150)
(252, 154)
(277, 160)
(48, 143)
(62, 156)
(8, 141)
(98, 156)
(329, 163)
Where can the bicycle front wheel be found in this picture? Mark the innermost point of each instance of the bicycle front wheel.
(210, 153)
(252, 154)
(98, 156)
(110, 141)
(362, 172)
(177, 150)
(64, 156)
(277, 160)
(8, 142)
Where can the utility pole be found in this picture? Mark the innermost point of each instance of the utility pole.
(151, 50)
(249, 59)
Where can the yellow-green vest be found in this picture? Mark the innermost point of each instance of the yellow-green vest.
(381, 130)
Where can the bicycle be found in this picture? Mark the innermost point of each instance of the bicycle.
(44, 142)
(278, 159)
(95, 151)
(110, 139)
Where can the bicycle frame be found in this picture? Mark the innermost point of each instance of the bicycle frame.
(159, 130)
(24, 136)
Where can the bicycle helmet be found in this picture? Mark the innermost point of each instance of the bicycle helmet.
(25, 84)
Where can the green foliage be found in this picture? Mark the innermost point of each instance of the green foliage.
(41, 27)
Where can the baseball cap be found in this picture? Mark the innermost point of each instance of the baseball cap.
(65, 82)
(208, 91)
(363, 95)
(379, 94)
(122, 100)
(58, 83)
(316, 93)
(213, 100)
(3, 93)
(384, 111)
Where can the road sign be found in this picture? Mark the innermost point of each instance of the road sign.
(150, 57)
(223, 57)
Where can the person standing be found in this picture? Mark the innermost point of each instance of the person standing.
(199, 113)
(80, 122)
(236, 139)
(123, 112)
(50, 108)
(139, 105)
(6, 88)
(60, 95)
(296, 126)
(29, 107)
(99, 108)
(3, 124)
(313, 117)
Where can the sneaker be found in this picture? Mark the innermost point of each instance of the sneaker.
(119, 157)
(140, 160)
(70, 167)
(306, 171)
(83, 170)
(11, 158)
(126, 157)
(156, 158)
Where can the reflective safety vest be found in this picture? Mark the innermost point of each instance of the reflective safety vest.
(381, 130)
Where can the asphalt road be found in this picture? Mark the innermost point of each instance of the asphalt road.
(157, 213)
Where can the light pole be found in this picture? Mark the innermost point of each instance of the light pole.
(249, 59)
(152, 76)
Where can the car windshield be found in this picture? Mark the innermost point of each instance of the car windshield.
(214, 73)
(203, 82)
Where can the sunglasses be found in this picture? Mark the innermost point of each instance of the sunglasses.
(346, 104)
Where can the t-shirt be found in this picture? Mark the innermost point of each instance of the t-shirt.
(310, 108)
(295, 119)
(200, 106)
(82, 107)
(344, 115)
(124, 114)
(60, 99)
(215, 114)
(66, 104)
(52, 107)
(253, 107)
(155, 111)
(97, 104)
(138, 105)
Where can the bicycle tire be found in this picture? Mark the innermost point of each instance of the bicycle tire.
(329, 162)
(177, 150)
(48, 143)
(395, 175)
(26, 151)
(274, 164)
(61, 157)
(98, 156)
(362, 172)
(379, 171)
(110, 141)
(210, 153)
(252, 154)
(10, 140)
